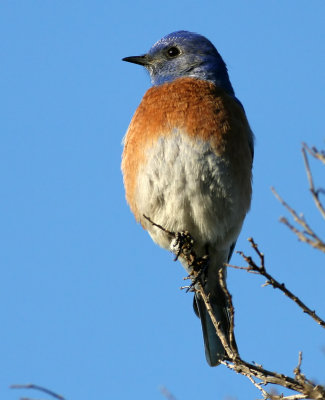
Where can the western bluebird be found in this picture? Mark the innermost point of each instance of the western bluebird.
(187, 161)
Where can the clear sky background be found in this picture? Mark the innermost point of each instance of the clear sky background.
(89, 306)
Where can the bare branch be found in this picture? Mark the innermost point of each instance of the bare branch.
(232, 340)
(265, 394)
(261, 270)
(166, 393)
(306, 235)
(320, 155)
(258, 375)
(231, 352)
(39, 388)
(313, 191)
(159, 226)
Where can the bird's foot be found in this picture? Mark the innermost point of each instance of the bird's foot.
(182, 244)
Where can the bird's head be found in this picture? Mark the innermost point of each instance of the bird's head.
(184, 54)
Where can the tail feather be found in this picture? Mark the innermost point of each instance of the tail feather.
(214, 350)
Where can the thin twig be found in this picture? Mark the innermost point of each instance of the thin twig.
(320, 155)
(253, 267)
(39, 388)
(159, 226)
(313, 191)
(232, 340)
(265, 394)
(166, 393)
(231, 353)
(248, 269)
(307, 234)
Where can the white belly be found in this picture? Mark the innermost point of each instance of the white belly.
(185, 186)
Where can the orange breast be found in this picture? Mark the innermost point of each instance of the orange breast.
(201, 110)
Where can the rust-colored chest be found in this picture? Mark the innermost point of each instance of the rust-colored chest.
(199, 110)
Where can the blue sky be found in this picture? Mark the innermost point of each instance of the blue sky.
(89, 306)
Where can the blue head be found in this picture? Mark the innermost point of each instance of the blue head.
(181, 54)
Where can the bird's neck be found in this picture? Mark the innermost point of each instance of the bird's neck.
(219, 77)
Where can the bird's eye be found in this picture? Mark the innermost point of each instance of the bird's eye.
(173, 52)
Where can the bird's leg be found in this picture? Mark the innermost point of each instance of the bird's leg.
(200, 266)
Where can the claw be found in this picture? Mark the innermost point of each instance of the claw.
(182, 243)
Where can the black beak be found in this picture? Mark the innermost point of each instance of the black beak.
(141, 60)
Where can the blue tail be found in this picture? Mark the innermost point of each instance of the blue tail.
(214, 350)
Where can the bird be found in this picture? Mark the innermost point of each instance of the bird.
(187, 163)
